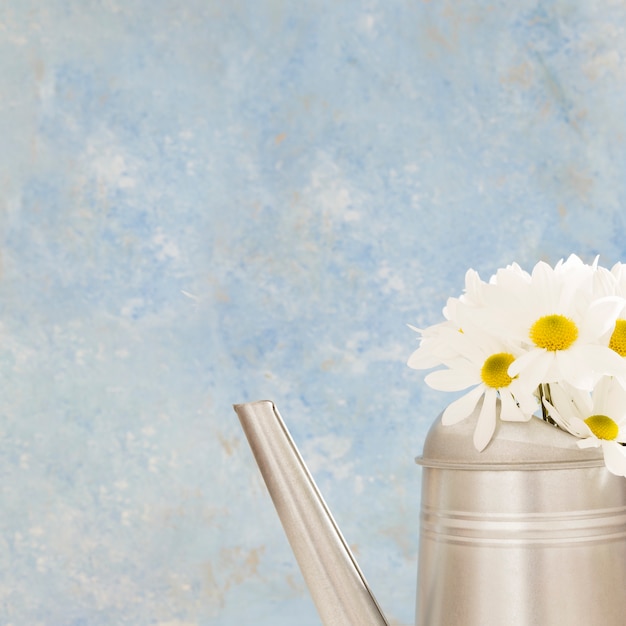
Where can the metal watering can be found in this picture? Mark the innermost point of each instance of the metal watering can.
(529, 532)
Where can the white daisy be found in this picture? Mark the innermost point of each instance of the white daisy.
(482, 364)
(436, 345)
(598, 420)
(560, 322)
(437, 342)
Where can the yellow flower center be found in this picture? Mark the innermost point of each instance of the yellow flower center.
(618, 338)
(495, 370)
(603, 427)
(553, 332)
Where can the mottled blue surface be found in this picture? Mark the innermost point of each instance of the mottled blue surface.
(206, 202)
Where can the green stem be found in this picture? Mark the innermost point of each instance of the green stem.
(544, 392)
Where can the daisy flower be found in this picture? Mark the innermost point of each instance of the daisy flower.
(437, 342)
(480, 362)
(598, 420)
(558, 318)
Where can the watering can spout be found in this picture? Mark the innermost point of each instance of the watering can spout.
(337, 586)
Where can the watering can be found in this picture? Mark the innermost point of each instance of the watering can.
(529, 532)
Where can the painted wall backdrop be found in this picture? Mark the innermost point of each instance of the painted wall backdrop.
(207, 202)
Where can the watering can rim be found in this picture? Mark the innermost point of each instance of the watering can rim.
(530, 445)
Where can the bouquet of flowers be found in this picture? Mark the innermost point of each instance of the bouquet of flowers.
(550, 344)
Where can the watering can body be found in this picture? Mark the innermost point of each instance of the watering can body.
(529, 532)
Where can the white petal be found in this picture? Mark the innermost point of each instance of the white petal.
(509, 411)
(423, 360)
(572, 291)
(601, 315)
(532, 368)
(609, 398)
(574, 369)
(543, 280)
(461, 408)
(604, 282)
(473, 286)
(486, 424)
(525, 360)
(526, 399)
(603, 360)
(567, 422)
(614, 457)
(453, 380)
(590, 442)
(570, 400)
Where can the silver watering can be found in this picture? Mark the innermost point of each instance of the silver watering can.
(529, 532)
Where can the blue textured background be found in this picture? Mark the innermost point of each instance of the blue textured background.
(207, 202)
